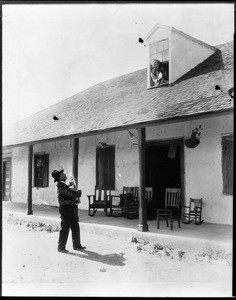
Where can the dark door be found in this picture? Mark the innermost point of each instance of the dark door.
(162, 171)
(105, 168)
(6, 180)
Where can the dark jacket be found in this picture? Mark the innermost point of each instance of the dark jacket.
(65, 194)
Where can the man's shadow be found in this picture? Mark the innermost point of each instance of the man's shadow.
(113, 259)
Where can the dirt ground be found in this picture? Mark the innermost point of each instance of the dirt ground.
(31, 266)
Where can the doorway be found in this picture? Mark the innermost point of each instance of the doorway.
(6, 179)
(164, 169)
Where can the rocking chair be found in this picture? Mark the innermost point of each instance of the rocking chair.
(193, 212)
(100, 200)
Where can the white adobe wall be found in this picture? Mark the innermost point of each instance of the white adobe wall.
(60, 156)
(204, 171)
(19, 180)
(126, 163)
(203, 165)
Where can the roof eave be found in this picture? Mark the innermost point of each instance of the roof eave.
(125, 127)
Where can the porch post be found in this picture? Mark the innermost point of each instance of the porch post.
(142, 226)
(75, 159)
(29, 197)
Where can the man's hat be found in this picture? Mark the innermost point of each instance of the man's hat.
(56, 174)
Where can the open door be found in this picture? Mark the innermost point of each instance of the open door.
(163, 170)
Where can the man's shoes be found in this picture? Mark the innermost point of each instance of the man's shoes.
(62, 250)
(80, 247)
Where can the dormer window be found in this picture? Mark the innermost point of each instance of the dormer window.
(159, 68)
(172, 54)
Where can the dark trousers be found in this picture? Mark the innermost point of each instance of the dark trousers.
(69, 220)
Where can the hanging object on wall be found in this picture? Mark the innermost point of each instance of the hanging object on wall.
(133, 138)
(172, 149)
(194, 140)
(103, 145)
(39, 163)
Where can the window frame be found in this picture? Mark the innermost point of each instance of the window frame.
(44, 171)
(227, 164)
(153, 56)
(105, 167)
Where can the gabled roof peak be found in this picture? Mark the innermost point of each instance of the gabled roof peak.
(158, 25)
(170, 28)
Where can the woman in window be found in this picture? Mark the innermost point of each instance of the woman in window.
(157, 72)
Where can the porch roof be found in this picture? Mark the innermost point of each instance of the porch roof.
(125, 102)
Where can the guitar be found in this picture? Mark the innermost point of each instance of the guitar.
(73, 187)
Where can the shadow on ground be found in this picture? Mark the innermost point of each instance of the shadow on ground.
(113, 259)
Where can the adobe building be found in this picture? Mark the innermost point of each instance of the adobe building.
(193, 92)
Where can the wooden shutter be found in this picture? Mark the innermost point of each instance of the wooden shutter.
(105, 168)
(6, 186)
(227, 165)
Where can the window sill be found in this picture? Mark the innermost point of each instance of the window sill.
(40, 187)
(158, 86)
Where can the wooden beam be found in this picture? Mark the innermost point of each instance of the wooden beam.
(29, 197)
(182, 174)
(75, 159)
(142, 226)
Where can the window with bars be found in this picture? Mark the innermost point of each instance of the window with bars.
(159, 60)
(227, 164)
(41, 170)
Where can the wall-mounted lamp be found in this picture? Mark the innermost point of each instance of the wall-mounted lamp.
(103, 145)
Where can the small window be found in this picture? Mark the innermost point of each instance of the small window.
(41, 170)
(159, 63)
(227, 164)
(105, 167)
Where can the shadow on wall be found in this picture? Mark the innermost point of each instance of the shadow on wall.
(211, 64)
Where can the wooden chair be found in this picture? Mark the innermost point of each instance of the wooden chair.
(118, 202)
(172, 208)
(149, 202)
(149, 194)
(99, 201)
(193, 212)
(131, 203)
(127, 202)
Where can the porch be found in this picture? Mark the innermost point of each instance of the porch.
(191, 237)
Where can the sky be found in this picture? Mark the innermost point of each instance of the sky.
(52, 52)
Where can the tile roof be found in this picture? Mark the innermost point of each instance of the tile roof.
(125, 101)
